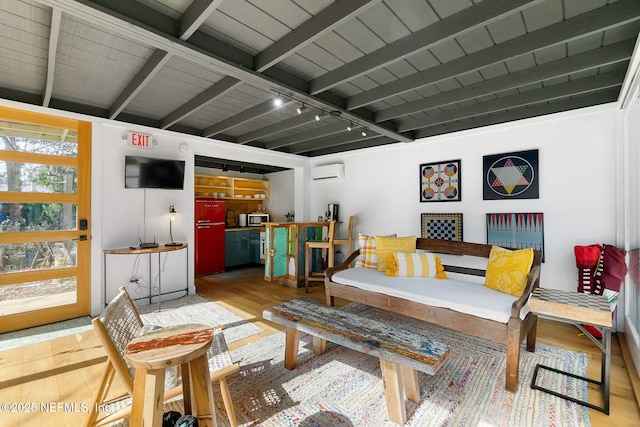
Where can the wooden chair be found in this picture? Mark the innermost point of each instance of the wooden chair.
(310, 245)
(117, 325)
(349, 239)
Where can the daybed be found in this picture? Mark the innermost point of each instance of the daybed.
(454, 303)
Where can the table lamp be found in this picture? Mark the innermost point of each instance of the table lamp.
(173, 215)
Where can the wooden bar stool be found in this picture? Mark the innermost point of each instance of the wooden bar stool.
(310, 245)
(348, 241)
(150, 354)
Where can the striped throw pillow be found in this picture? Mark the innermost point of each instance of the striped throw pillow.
(419, 264)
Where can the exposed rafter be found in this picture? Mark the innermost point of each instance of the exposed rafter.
(314, 28)
(195, 15)
(601, 97)
(221, 87)
(160, 31)
(560, 90)
(446, 29)
(366, 143)
(608, 55)
(306, 136)
(615, 14)
(247, 115)
(54, 35)
(155, 63)
(331, 141)
(278, 127)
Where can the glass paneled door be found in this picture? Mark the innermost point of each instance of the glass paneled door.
(45, 170)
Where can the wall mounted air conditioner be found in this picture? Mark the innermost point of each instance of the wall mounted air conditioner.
(328, 171)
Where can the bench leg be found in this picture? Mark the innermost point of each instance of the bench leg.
(410, 383)
(394, 391)
(291, 348)
(531, 336)
(513, 355)
(319, 345)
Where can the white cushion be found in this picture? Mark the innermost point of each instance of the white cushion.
(464, 297)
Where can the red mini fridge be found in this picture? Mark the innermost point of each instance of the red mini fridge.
(209, 224)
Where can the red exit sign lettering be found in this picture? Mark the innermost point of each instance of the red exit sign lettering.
(140, 140)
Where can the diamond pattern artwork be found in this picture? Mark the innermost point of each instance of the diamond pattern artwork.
(511, 176)
(440, 182)
(516, 230)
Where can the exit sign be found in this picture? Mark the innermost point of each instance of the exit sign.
(140, 140)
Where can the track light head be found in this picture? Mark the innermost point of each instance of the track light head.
(365, 131)
(301, 108)
(350, 126)
(277, 101)
(319, 116)
(225, 167)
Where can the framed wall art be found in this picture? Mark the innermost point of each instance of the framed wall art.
(446, 226)
(511, 176)
(516, 230)
(440, 182)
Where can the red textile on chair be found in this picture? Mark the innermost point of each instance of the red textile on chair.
(587, 258)
(614, 268)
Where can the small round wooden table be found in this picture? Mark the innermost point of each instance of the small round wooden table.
(150, 354)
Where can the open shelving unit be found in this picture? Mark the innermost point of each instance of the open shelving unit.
(225, 187)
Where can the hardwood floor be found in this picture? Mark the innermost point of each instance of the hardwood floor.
(50, 383)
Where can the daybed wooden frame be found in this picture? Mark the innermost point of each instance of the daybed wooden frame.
(511, 334)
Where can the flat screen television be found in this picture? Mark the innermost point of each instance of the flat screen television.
(147, 172)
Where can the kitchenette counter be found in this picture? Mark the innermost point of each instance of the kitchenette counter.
(244, 228)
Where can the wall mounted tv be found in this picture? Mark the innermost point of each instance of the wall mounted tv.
(147, 172)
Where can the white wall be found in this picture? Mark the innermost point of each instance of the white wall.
(282, 201)
(122, 211)
(577, 184)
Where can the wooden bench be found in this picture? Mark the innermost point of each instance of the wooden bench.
(401, 354)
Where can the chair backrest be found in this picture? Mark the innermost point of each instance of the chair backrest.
(331, 233)
(116, 326)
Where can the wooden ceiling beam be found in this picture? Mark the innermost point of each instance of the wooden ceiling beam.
(278, 127)
(448, 28)
(598, 20)
(315, 27)
(194, 16)
(247, 115)
(588, 60)
(545, 94)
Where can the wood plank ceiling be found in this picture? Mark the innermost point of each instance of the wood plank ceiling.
(390, 70)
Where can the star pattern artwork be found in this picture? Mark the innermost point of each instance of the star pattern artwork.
(440, 182)
(511, 176)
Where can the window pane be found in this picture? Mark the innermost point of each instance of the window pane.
(18, 257)
(39, 139)
(31, 296)
(37, 216)
(37, 178)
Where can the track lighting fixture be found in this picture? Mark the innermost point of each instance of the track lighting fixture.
(301, 108)
(225, 168)
(350, 126)
(364, 132)
(242, 169)
(319, 116)
(277, 101)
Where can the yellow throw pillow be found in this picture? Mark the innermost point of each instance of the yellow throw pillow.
(368, 257)
(387, 245)
(507, 270)
(419, 264)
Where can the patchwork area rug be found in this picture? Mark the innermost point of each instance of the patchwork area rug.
(195, 309)
(344, 388)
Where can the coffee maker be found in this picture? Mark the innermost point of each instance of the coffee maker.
(332, 212)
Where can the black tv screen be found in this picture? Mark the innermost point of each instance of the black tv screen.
(147, 172)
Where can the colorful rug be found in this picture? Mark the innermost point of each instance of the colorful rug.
(343, 387)
(195, 309)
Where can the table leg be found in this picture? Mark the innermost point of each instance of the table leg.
(202, 405)
(148, 396)
(291, 348)
(186, 388)
(319, 345)
(394, 391)
(410, 383)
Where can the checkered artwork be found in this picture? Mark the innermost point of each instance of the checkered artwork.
(441, 226)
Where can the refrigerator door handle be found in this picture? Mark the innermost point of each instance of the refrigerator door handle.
(200, 227)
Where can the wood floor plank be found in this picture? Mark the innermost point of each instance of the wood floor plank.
(70, 368)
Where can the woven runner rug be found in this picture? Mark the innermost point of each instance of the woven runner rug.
(195, 309)
(343, 387)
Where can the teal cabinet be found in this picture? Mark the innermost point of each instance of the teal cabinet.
(242, 247)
